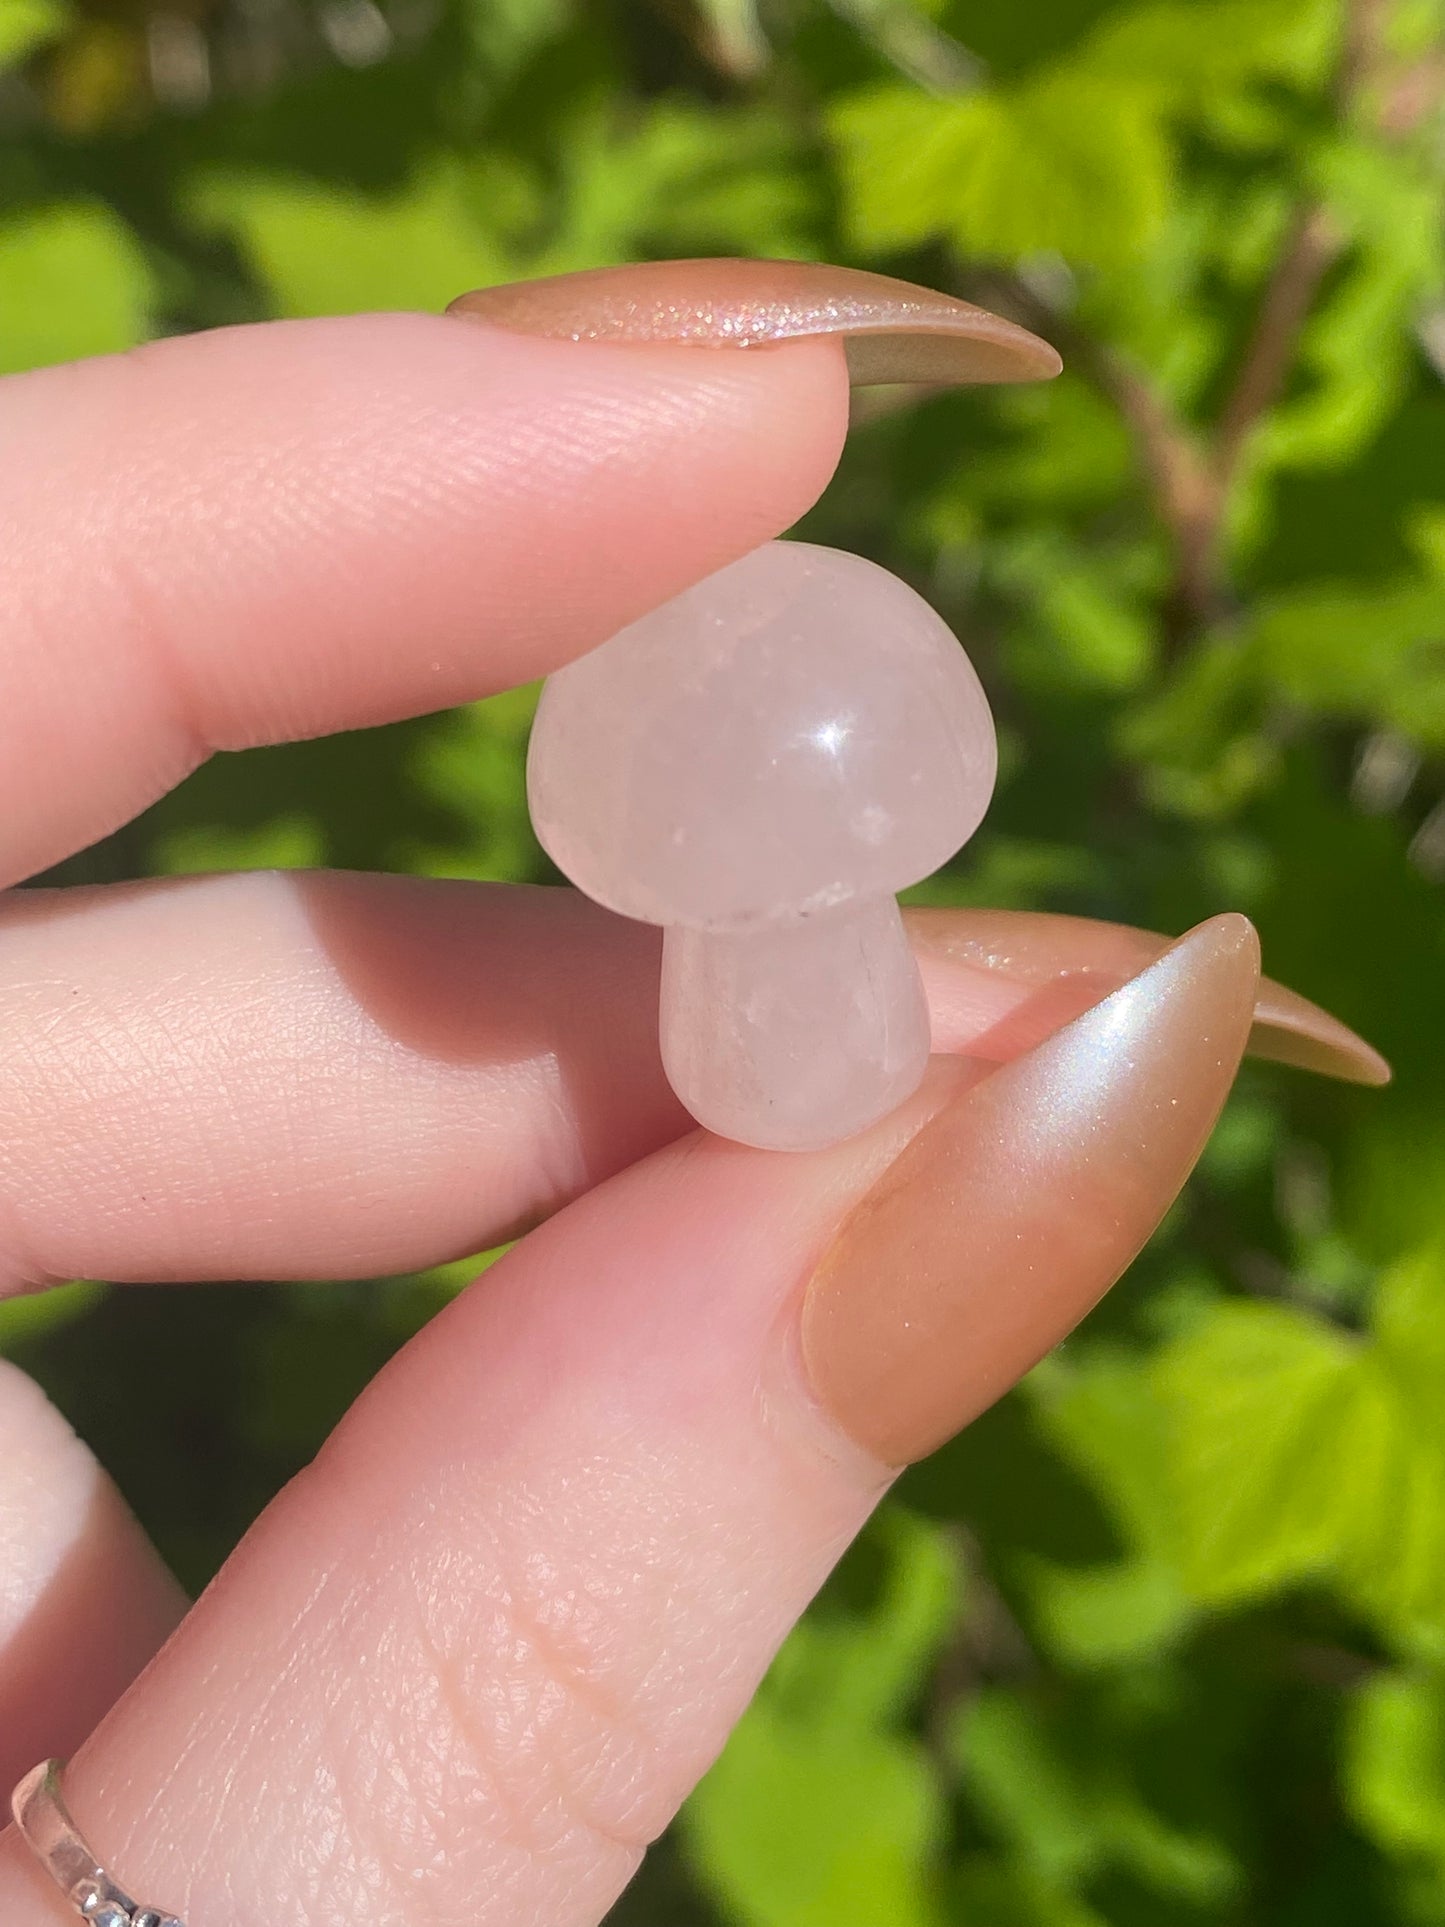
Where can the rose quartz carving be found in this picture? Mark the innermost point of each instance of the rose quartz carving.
(758, 766)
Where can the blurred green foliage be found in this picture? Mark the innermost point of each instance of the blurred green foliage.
(1162, 1638)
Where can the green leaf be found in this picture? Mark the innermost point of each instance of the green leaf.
(900, 154)
(1103, 1413)
(1394, 1773)
(322, 250)
(1026, 1790)
(1274, 1442)
(1066, 453)
(285, 843)
(1377, 654)
(678, 179)
(1192, 1866)
(1194, 51)
(474, 765)
(1357, 347)
(821, 1812)
(1068, 1817)
(1092, 625)
(39, 1313)
(1195, 726)
(1103, 1616)
(1005, 1894)
(1077, 159)
(1071, 164)
(790, 1832)
(73, 282)
(1068, 163)
(860, 1674)
(507, 33)
(28, 24)
(1409, 1325)
(1297, 1453)
(1392, 1566)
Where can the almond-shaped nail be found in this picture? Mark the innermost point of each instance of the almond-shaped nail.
(892, 331)
(1073, 961)
(1018, 1204)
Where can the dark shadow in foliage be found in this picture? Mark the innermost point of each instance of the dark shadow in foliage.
(170, 1443)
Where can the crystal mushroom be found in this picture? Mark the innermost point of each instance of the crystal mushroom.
(758, 766)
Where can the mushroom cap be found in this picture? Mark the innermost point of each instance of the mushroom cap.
(796, 731)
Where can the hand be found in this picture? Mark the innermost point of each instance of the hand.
(469, 1663)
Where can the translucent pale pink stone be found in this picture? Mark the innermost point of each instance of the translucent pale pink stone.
(759, 765)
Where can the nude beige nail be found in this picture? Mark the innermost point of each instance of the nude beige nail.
(1038, 948)
(1017, 1206)
(891, 330)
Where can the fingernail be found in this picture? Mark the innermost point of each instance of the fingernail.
(1055, 954)
(891, 330)
(1018, 1204)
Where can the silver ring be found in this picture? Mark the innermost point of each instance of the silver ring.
(45, 1823)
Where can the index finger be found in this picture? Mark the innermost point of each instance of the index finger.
(276, 531)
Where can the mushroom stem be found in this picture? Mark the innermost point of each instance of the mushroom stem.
(798, 1032)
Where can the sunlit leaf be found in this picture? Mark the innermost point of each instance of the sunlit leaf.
(1104, 1412)
(23, 1320)
(1093, 1616)
(73, 282)
(27, 24)
(821, 1811)
(474, 766)
(1395, 1774)
(1192, 51)
(286, 843)
(1376, 655)
(1274, 1444)
(1070, 162)
(1026, 1789)
(321, 250)
(1409, 1324)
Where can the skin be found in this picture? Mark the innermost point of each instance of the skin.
(470, 1662)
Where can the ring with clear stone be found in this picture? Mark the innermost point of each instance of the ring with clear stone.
(45, 1824)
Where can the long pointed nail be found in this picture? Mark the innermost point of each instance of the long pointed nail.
(1016, 1207)
(1063, 965)
(891, 330)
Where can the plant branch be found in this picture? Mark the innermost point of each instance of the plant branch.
(1313, 245)
(910, 41)
(1178, 468)
(1190, 472)
(1312, 248)
(1184, 482)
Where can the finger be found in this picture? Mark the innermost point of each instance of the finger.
(272, 532)
(84, 1600)
(318, 1075)
(335, 1075)
(469, 1664)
